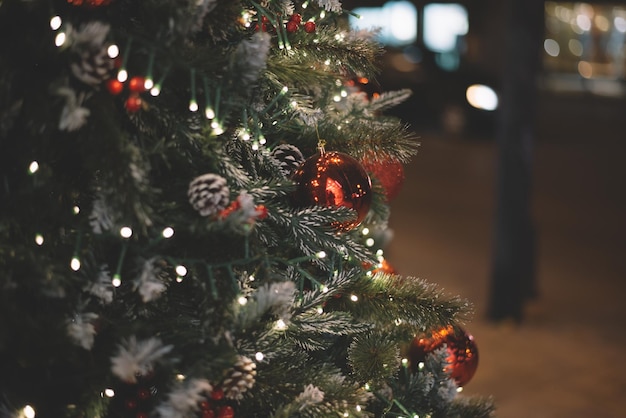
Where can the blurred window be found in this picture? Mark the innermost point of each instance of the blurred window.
(584, 47)
(396, 21)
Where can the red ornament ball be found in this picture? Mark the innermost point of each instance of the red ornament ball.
(309, 27)
(334, 179)
(114, 86)
(462, 352)
(133, 103)
(296, 17)
(389, 173)
(137, 84)
(291, 26)
(226, 411)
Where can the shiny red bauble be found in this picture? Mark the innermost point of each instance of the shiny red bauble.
(334, 179)
(114, 86)
(462, 352)
(291, 26)
(137, 84)
(390, 174)
(133, 103)
(309, 27)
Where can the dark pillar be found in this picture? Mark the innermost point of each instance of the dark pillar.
(513, 269)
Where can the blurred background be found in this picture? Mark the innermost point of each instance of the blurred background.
(469, 64)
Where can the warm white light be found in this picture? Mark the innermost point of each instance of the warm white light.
(75, 264)
(551, 47)
(379, 253)
(255, 146)
(262, 140)
(193, 106)
(179, 279)
(245, 136)
(345, 414)
(459, 389)
(344, 93)
(126, 232)
(259, 356)
(180, 377)
(405, 362)
(369, 242)
(109, 393)
(327, 62)
(242, 300)
(251, 278)
(294, 104)
(443, 24)
(33, 167)
(113, 51)
(59, 39)
(155, 91)
(29, 411)
(358, 408)
(284, 90)
(354, 298)
(482, 97)
(117, 281)
(76, 209)
(620, 23)
(148, 84)
(280, 324)
(181, 270)
(209, 113)
(39, 239)
(337, 98)
(122, 76)
(321, 254)
(365, 231)
(420, 365)
(55, 22)
(325, 289)
(583, 21)
(168, 232)
(320, 310)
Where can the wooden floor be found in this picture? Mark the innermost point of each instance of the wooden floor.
(567, 358)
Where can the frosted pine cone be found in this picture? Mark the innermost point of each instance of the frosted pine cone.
(239, 379)
(208, 194)
(289, 158)
(93, 67)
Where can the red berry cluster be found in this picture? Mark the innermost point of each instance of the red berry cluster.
(134, 400)
(295, 21)
(211, 408)
(136, 86)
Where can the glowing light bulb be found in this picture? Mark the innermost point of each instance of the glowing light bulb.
(354, 298)
(148, 84)
(369, 242)
(320, 310)
(420, 365)
(109, 393)
(113, 51)
(209, 113)
(358, 408)
(285, 89)
(259, 356)
(280, 324)
(255, 146)
(76, 209)
(180, 377)
(193, 106)
(126, 232)
(181, 270)
(39, 239)
(155, 91)
(459, 389)
(122, 76)
(29, 411)
(262, 140)
(405, 361)
(75, 264)
(365, 231)
(325, 289)
(251, 278)
(117, 281)
(242, 300)
(55, 22)
(59, 40)
(33, 167)
(321, 254)
(336, 98)
(168, 232)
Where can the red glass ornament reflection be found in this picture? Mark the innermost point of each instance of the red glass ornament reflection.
(389, 173)
(462, 350)
(334, 179)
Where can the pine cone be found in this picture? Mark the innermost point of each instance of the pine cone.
(208, 194)
(239, 379)
(94, 67)
(289, 158)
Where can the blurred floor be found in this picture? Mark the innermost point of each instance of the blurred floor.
(567, 358)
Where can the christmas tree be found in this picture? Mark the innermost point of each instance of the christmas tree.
(193, 206)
